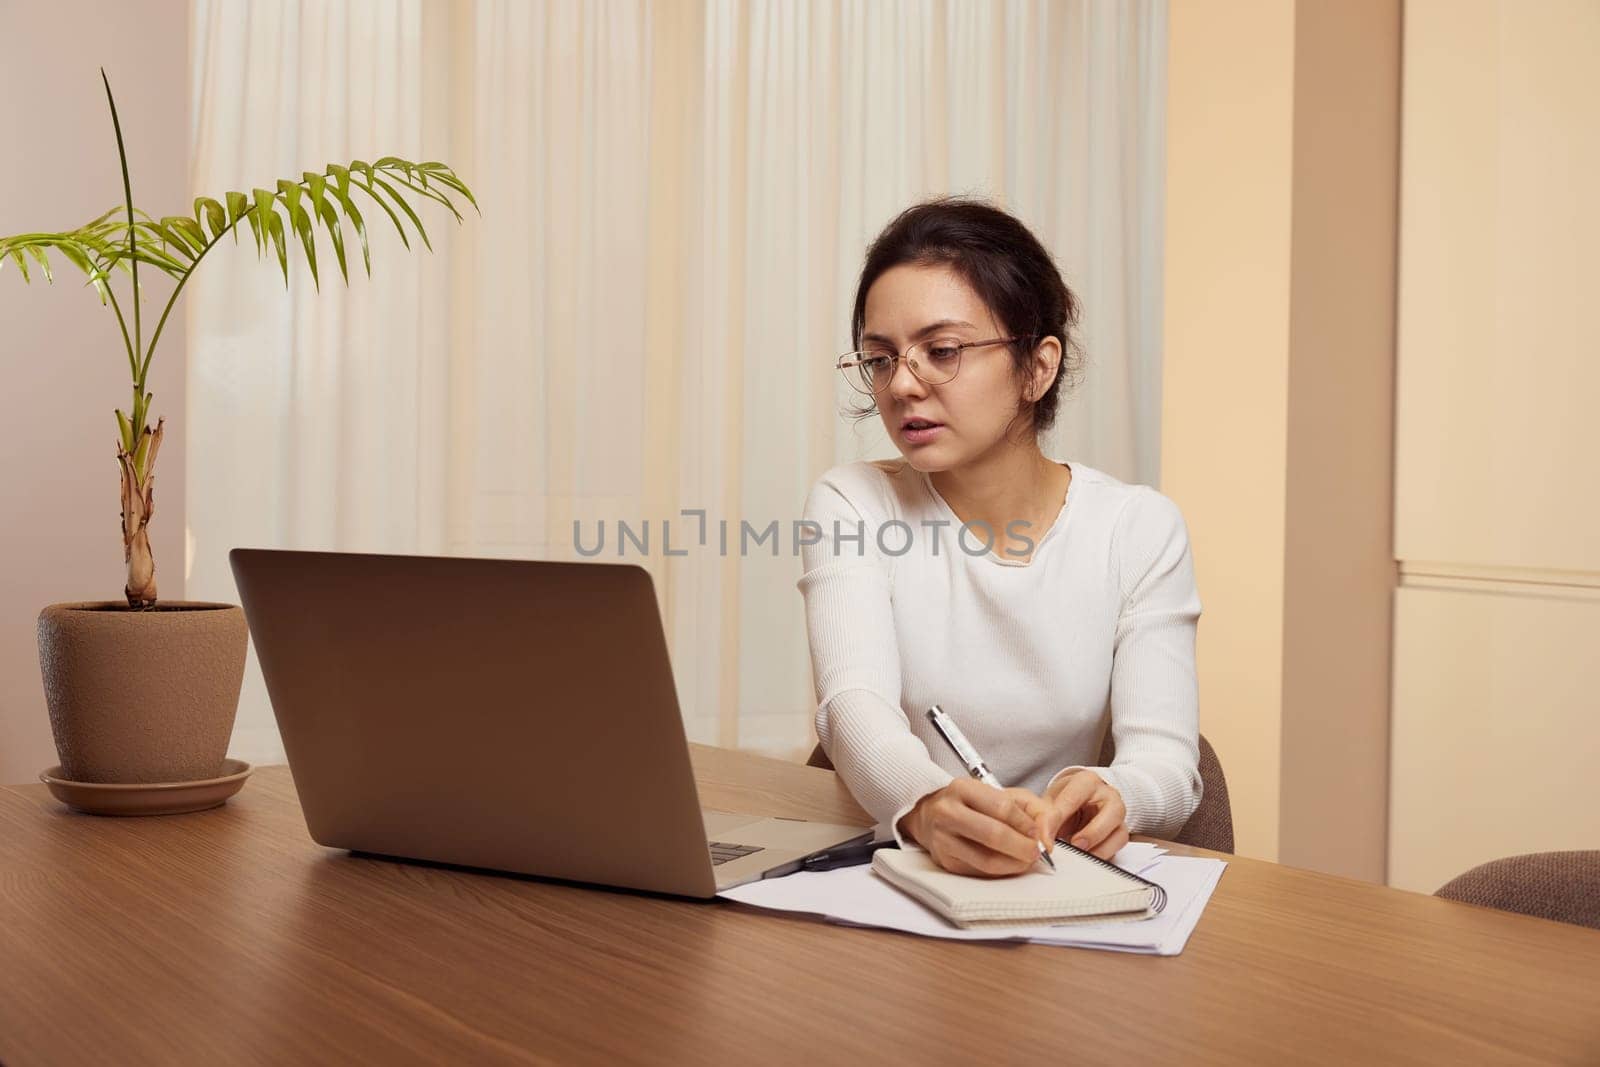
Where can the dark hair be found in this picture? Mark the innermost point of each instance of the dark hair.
(1005, 265)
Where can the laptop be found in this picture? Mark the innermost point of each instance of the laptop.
(504, 714)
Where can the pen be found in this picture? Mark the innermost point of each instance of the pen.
(848, 856)
(972, 761)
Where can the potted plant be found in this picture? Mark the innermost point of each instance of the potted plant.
(141, 690)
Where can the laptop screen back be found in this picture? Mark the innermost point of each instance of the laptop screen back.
(508, 714)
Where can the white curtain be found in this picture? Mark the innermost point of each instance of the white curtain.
(676, 198)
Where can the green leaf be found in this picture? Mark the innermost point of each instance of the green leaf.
(22, 262)
(341, 179)
(96, 221)
(316, 188)
(117, 250)
(191, 229)
(275, 230)
(290, 193)
(150, 256)
(308, 238)
(133, 235)
(77, 258)
(412, 172)
(212, 213)
(264, 202)
(162, 242)
(124, 431)
(185, 233)
(449, 179)
(370, 191)
(330, 219)
(44, 262)
(404, 206)
(254, 219)
(238, 204)
(431, 194)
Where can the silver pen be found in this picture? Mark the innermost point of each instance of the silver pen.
(972, 761)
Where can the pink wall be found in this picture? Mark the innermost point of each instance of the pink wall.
(62, 364)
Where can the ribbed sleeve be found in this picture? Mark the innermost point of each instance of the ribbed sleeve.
(1154, 697)
(856, 665)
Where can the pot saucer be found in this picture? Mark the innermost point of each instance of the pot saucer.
(147, 798)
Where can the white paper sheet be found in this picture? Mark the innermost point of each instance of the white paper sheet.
(854, 896)
(1138, 856)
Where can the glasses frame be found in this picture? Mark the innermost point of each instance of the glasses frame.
(850, 365)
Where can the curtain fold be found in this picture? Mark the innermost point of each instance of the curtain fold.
(676, 200)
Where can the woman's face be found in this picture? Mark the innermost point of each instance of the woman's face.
(971, 413)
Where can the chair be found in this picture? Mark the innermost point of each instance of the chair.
(1211, 825)
(1564, 886)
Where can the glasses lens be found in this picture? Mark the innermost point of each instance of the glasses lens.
(867, 372)
(935, 361)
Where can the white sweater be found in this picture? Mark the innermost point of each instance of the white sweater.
(1033, 661)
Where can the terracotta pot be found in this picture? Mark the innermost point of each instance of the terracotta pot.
(142, 696)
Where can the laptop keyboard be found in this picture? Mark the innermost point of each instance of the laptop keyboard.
(722, 852)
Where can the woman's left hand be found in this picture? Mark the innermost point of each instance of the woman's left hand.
(1088, 811)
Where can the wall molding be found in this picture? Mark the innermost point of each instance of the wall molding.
(1509, 581)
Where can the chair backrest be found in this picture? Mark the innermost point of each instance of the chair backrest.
(1564, 886)
(1211, 825)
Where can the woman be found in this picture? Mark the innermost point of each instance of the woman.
(1036, 602)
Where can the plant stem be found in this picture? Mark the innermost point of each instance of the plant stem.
(150, 353)
(133, 363)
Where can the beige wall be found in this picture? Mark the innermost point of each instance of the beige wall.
(1230, 107)
(60, 354)
(1498, 515)
(1278, 389)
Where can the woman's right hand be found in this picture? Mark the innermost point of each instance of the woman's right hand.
(972, 828)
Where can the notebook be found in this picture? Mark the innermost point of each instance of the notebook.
(1083, 887)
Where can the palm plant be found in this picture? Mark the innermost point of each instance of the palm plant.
(124, 238)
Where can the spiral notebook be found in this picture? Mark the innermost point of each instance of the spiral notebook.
(1083, 887)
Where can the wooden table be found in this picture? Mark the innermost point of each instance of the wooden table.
(229, 936)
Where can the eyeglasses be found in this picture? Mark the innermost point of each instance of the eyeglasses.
(935, 362)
